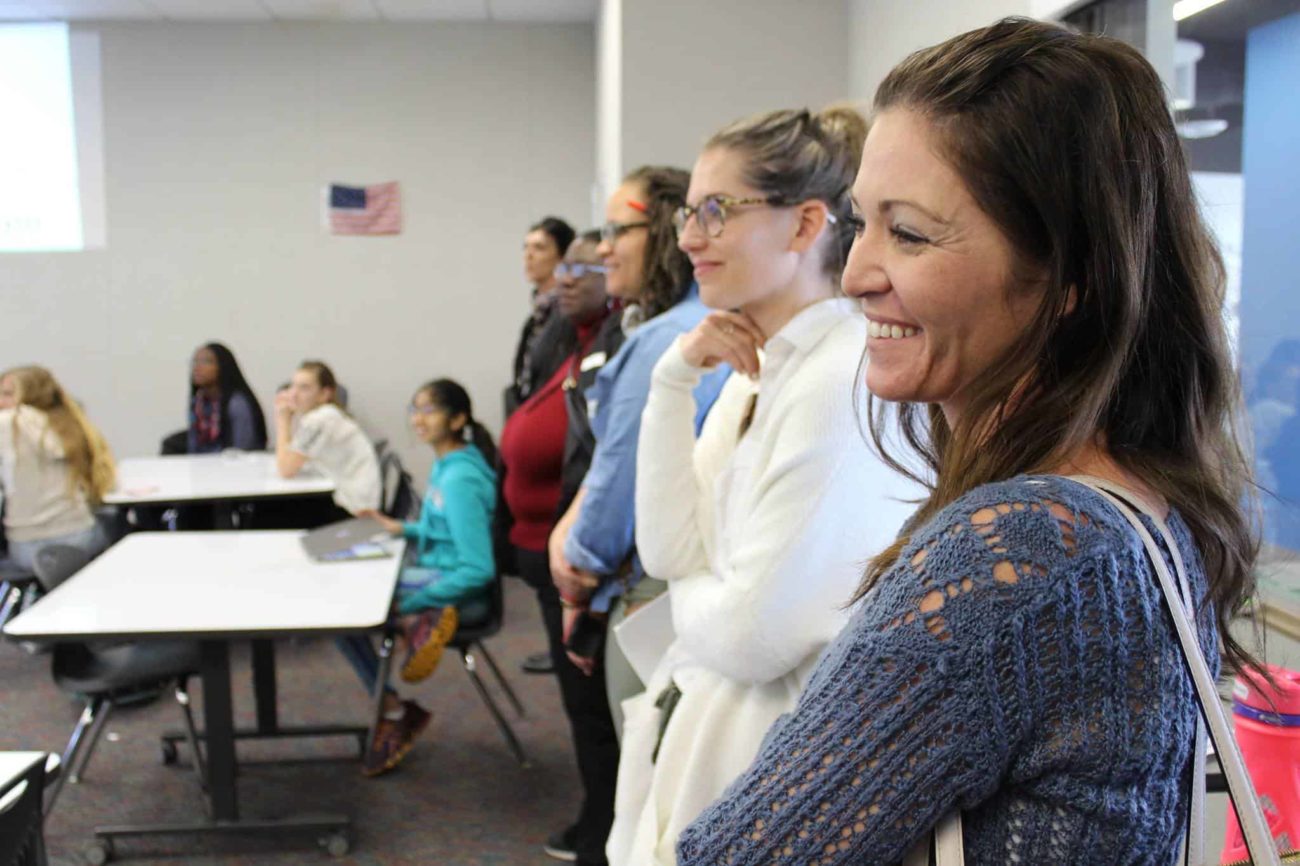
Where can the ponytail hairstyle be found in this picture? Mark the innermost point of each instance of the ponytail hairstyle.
(91, 471)
(325, 379)
(452, 397)
(796, 156)
(667, 272)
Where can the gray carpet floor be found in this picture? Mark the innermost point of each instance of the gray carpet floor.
(459, 798)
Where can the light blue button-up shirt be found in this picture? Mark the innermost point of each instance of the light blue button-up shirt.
(605, 532)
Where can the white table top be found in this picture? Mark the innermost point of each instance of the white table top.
(209, 478)
(213, 584)
(14, 764)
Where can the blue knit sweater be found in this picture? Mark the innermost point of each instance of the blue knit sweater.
(1016, 663)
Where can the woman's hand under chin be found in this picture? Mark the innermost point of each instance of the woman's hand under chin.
(724, 338)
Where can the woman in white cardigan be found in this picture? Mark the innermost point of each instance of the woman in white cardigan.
(763, 526)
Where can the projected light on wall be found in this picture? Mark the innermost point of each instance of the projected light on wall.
(43, 176)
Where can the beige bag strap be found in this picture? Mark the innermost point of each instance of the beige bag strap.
(944, 846)
(1259, 840)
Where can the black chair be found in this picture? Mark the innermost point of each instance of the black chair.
(397, 497)
(468, 641)
(109, 674)
(14, 584)
(21, 841)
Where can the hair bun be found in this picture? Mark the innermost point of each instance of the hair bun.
(845, 129)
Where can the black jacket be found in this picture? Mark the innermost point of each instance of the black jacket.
(579, 442)
(552, 346)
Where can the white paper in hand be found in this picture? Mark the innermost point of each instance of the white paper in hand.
(646, 635)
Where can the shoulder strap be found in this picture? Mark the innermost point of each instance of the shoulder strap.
(1259, 840)
(944, 847)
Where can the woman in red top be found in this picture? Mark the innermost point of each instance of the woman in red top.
(533, 455)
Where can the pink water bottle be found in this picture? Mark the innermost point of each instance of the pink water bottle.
(1269, 736)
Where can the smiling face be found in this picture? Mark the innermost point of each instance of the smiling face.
(432, 423)
(753, 257)
(581, 298)
(933, 272)
(624, 256)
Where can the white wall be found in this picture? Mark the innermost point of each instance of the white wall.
(883, 32)
(691, 67)
(218, 140)
(609, 105)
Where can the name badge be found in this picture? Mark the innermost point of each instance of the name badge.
(592, 361)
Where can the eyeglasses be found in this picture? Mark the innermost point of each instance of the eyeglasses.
(711, 212)
(612, 231)
(577, 270)
(414, 410)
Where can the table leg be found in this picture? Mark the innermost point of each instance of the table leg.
(219, 722)
(224, 515)
(264, 686)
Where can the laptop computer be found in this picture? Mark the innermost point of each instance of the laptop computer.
(356, 538)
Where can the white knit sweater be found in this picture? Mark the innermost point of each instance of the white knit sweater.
(763, 539)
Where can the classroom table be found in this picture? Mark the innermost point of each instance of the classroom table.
(218, 588)
(223, 479)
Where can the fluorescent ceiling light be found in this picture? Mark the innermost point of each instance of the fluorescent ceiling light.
(1202, 128)
(1188, 8)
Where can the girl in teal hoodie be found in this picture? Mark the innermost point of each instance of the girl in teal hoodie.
(450, 570)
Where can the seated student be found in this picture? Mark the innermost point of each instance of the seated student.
(311, 429)
(451, 567)
(223, 411)
(54, 466)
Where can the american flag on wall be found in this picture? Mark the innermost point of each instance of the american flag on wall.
(365, 210)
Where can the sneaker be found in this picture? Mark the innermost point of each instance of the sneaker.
(538, 663)
(393, 739)
(563, 845)
(425, 641)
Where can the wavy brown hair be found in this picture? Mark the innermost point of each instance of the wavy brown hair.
(667, 272)
(91, 470)
(1066, 142)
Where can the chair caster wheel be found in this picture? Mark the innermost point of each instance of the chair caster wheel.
(99, 852)
(169, 755)
(337, 844)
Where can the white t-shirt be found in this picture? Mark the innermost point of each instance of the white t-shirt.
(337, 446)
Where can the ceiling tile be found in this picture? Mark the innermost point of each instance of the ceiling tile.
(208, 10)
(90, 10)
(433, 10)
(20, 11)
(543, 10)
(322, 10)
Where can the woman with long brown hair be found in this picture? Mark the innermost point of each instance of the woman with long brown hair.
(1043, 301)
(591, 552)
(54, 467)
